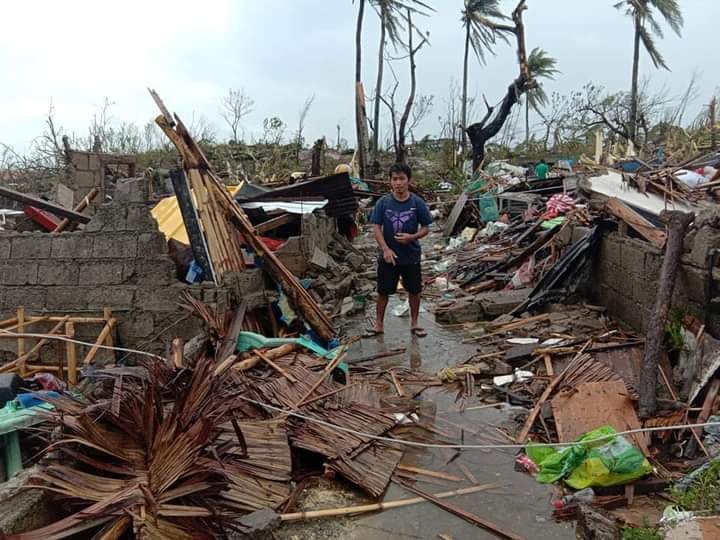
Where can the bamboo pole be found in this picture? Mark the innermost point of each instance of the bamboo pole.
(71, 355)
(21, 330)
(102, 337)
(387, 505)
(22, 360)
(339, 356)
(82, 205)
(254, 360)
(276, 367)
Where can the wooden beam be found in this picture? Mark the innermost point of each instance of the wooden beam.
(639, 224)
(45, 205)
(274, 223)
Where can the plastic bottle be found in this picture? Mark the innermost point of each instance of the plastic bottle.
(586, 495)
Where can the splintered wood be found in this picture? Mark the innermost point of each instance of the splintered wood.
(591, 405)
(226, 226)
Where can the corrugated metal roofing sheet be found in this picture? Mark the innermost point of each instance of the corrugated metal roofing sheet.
(336, 188)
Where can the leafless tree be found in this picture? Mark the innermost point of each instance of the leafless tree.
(235, 106)
(302, 116)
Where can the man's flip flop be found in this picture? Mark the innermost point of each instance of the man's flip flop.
(372, 332)
(419, 332)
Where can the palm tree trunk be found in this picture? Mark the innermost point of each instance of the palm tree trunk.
(359, 116)
(527, 123)
(463, 136)
(401, 148)
(378, 86)
(634, 91)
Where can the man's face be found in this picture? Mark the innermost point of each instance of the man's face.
(399, 183)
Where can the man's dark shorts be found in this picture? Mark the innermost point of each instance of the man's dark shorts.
(388, 276)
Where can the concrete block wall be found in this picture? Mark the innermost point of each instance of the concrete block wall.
(626, 272)
(120, 260)
(316, 231)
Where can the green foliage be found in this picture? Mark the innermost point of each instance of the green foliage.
(674, 330)
(480, 20)
(641, 533)
(703, 493)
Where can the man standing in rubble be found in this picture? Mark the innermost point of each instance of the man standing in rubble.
(400, 219)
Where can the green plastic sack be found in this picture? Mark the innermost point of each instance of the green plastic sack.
(590, 462)
(488, 208)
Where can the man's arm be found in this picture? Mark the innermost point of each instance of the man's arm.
(388, 254)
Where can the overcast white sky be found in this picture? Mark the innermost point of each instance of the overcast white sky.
(281, 51)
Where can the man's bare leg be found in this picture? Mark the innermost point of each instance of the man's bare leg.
(414, 300)
(380, 307)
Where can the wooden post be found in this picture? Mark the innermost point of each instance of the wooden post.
(21, 340)
(190, 219)
(71, 355)
(677, 223)
(177, 350)
(102, 338)
(108, 316)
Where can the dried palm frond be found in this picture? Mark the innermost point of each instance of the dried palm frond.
(151, 459)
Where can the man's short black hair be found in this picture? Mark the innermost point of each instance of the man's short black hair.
(403, 168)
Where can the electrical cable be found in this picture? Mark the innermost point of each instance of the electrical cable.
(464, 446)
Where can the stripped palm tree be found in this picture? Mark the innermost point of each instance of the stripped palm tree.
(391, 14)
(647, 28)
(541, 66)
(481, 33)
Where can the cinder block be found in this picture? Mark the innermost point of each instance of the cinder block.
(30, 297)
(156, 271)
(706, 239)
(85, 179)
(117, 297)
(610, 249)
(72, 245)
(80, 160)
(691, 284)
(58, 273)
(139, 218)
(31, 246)
(102, 272)
(5, 246)
(152, 243)
(94, 162)
(633, 256)
(160, 298)
(18, 273)
(117, 246)
(64, 299)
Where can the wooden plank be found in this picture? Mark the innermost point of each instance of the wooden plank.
(545, 395)
(45, 205)
(72, 375)
(427, 472)
(455, 214)
(194, 159)
(274, 223)
(591, 405)
(638, 223)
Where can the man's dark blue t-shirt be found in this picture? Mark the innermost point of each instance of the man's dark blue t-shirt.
(396, 217)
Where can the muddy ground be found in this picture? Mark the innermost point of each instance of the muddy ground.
(521, 504)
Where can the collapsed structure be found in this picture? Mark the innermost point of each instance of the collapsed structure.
(212, 375)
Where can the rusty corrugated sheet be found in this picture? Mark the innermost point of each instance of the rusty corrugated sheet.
(336, 188)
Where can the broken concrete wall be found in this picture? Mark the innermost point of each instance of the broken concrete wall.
(627, 270)
(120, 261)
(316, 232)
(88, 170)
